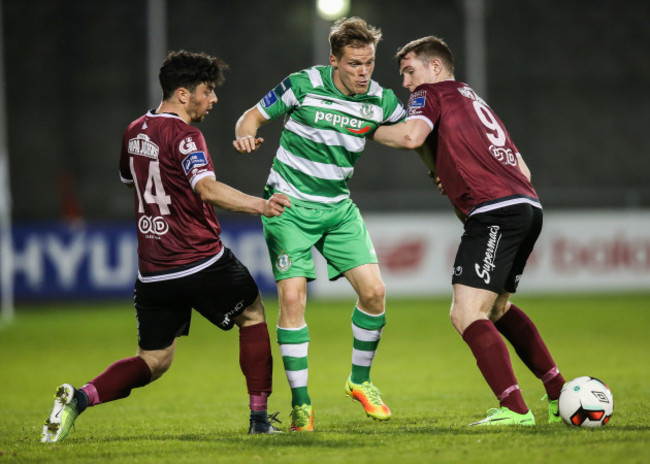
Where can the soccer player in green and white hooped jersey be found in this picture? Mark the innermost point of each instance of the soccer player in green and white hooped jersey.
(331, 110)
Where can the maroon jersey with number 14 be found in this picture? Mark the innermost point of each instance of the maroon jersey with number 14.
(163, 157)
(474, 156)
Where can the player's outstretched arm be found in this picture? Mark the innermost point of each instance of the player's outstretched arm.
(229, 198)
(246, 140)
(407, 135)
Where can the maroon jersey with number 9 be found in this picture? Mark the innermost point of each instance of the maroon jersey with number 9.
(474, 155)
(163, 157)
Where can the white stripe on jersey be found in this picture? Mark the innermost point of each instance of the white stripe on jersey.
(328, 137)
(281, 185)
(397, 115)
(183, 273)
(198, 177)
(313, 168)
(314, 77)
(375, 89)
(289, 98)
(349, 107)
(262, 111)
(424, 118)
(125, 181)
(503, 204)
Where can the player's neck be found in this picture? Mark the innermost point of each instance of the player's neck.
(173, 108)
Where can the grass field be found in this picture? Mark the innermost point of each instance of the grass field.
(198, 411)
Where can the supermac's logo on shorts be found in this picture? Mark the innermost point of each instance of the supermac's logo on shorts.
(194, 160)
(269, 99)
(283, 263)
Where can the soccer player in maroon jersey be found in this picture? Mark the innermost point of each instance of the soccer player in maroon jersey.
(476, 164)
(182, 263)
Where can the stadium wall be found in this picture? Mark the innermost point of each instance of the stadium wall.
(579, 251)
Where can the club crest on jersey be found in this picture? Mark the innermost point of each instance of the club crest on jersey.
(283, 263)
(367, 110)
(187, 145)
(269, 99)
(194, 160)
(143, 146)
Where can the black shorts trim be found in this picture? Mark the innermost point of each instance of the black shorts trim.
(495, 246)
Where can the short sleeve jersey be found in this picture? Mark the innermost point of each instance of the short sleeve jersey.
(324, 133)
(475, 158)
(163, 157)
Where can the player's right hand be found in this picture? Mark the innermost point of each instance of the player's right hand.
(247, 143)
(276, 204)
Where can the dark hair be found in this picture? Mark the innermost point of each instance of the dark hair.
(427, 48)
(354, 32)
(186, 69)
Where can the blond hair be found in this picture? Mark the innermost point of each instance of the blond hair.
(354, 32)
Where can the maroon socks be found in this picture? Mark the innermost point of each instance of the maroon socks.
(522, 333)
(493, 360)
(256, 363)
(117, 381)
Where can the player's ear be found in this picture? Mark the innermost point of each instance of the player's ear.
(333, 61)
(436, 64)
(182, 94)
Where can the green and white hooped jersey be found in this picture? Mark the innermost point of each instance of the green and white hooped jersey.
(324, 134)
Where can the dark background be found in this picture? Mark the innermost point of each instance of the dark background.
(568, 78)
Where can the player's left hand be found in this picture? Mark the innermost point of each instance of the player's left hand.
(438, 183)
(247, 143)
(276, 204)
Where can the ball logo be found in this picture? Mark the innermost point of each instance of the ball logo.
(602, 397)
(156, 226)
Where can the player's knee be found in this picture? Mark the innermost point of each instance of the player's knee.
(456, 319)
(372, 297)
(292, 300)
(253, 314)
(158, 366)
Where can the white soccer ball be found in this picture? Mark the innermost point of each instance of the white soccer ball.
(586, 402)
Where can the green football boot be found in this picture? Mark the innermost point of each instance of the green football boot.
(553, 410)
(504, 416)
(64, 412)
(302, 418)
(368, 395)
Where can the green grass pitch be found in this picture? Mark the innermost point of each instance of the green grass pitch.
(198, 411)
